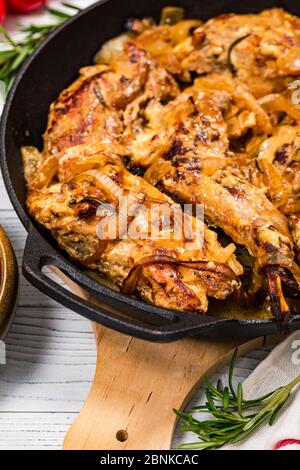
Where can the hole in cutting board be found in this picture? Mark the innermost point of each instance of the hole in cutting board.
(122, 435)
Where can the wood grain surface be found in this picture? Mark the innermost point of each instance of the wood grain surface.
(137, 384)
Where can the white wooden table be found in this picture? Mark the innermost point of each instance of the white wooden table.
(50, 355)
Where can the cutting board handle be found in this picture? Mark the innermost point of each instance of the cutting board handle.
(136, 386)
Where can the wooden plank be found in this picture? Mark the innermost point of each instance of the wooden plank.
(33, 430)
(21, 430)
(50, 361)
(136, 386)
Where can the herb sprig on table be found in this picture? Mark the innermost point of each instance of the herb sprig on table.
(232, 420)
(12, 57)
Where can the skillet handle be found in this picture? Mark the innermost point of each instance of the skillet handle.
(39, 253)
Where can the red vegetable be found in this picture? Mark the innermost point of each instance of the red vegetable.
(2, 11)
(286, 442)
(23, 6)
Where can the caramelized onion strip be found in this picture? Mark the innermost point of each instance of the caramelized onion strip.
(280, 308)
(130, 283)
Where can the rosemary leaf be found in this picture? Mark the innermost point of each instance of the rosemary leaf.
(7, 36)
(227, 406)
(220, 386)
(13, 56)
(72, 7)
(239, 399)
(230, 374)
(58, 13)
(226, 398)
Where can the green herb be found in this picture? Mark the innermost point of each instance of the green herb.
(12, 57)
(229, 408)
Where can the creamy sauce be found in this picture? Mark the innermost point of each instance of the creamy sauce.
(227, 309)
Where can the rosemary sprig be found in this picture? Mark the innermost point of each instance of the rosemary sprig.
(229, 408)
(15, 52)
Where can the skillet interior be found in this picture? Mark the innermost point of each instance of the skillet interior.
(45, 74)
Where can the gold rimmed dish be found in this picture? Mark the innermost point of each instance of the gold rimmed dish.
(9, 284)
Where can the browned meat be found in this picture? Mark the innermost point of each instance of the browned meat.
(229, 141)
(240, 209)
(262, 50)
(294, 223)
(90, 110)
(188, 130)
(243, 212)
(192, 141)
(274, 166)
(189, 136)
(163, 270)
(80, 114)
(168, 44)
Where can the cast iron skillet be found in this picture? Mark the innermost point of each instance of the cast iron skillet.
(48, 71)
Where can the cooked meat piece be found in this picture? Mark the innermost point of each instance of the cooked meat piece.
(278, 161)
(200, 124)
(164, 269)
(191, 140)
(90, 110)
(39, 168)
(80, 115)
(243, 212)
(262, 50)
(168, 44)
(189, 136)
(194, 126)
(241, 111)
(294, 223)
(274, 166)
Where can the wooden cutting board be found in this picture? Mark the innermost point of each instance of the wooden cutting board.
(137, 384)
